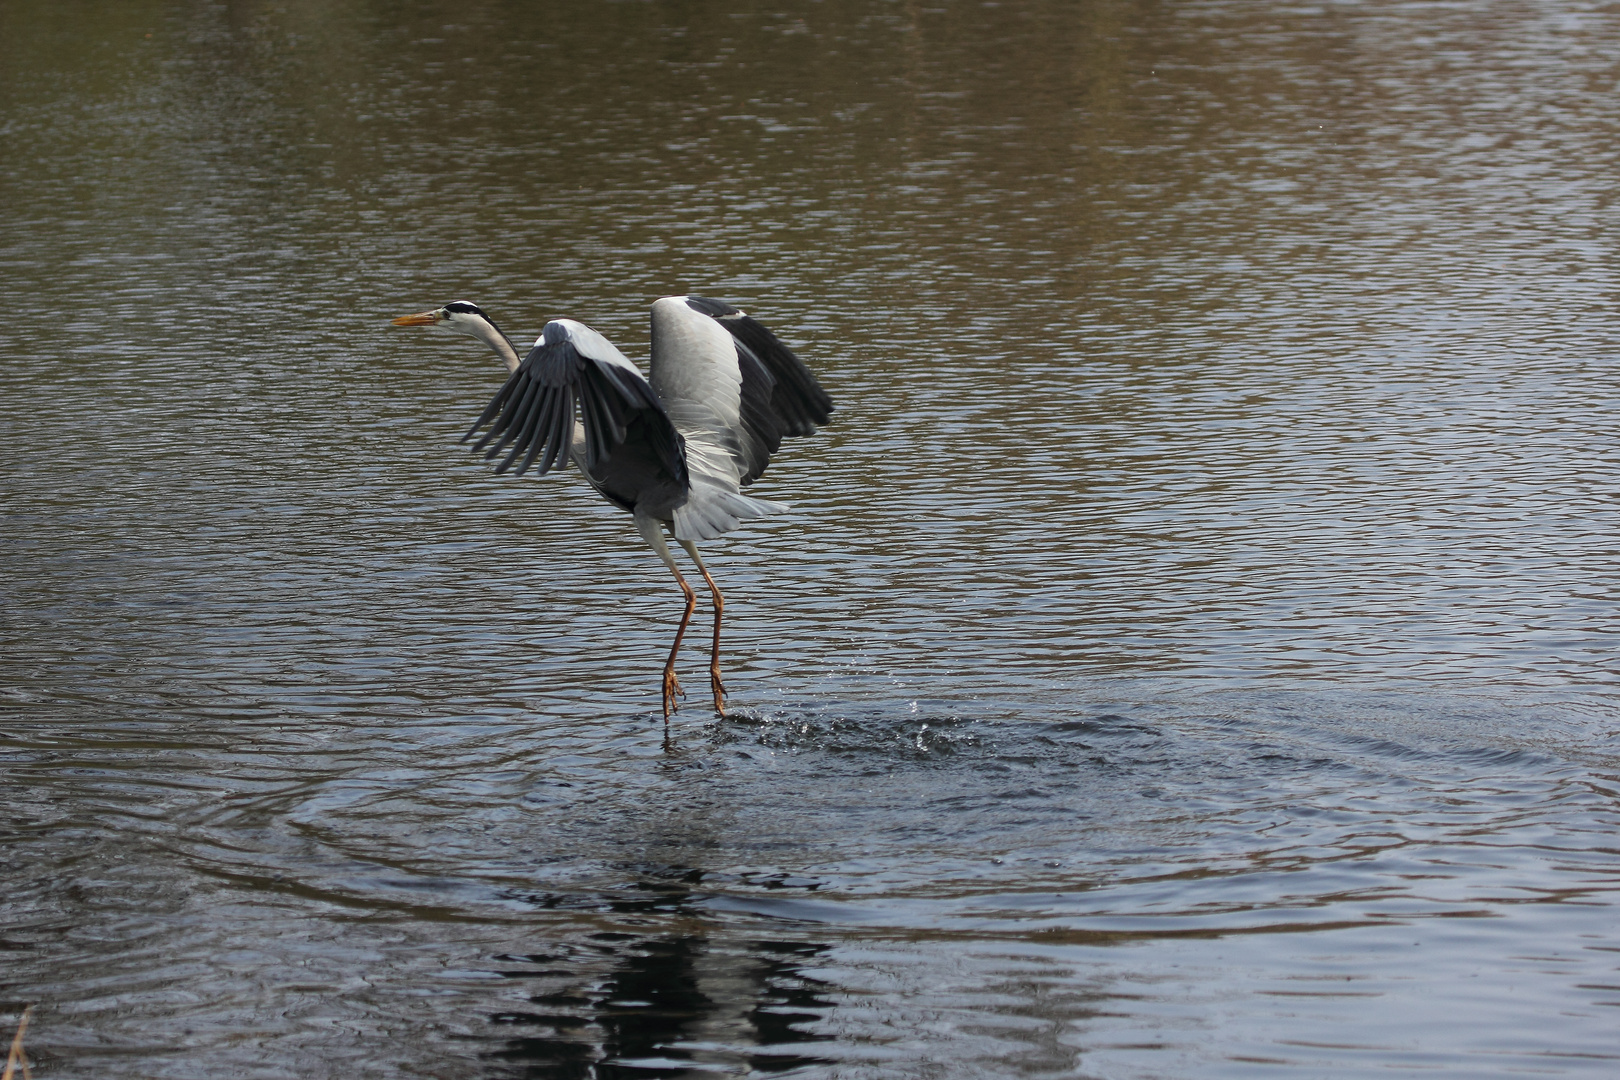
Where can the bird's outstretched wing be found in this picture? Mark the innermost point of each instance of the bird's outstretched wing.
(733, 395)
(798, 404)
(533, 413)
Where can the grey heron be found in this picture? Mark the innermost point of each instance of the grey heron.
(674, 448)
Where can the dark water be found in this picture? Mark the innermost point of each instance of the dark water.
(1193, 652)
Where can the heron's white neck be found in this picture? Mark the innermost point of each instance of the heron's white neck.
(490, 335)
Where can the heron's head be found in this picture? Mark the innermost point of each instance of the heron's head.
(469, 319)
(458, 316)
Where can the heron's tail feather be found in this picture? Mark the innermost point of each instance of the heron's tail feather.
(712, 510)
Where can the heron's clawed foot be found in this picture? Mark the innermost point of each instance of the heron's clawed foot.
(672, 690)
(719, 689)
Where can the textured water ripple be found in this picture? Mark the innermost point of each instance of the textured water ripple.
(1192, 650)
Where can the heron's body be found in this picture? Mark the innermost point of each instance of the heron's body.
(674, 449)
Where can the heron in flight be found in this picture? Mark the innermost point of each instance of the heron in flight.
(675, 448)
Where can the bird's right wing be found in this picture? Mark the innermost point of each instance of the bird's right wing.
(533, 413)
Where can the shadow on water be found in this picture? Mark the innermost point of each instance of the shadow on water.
(624, 1004)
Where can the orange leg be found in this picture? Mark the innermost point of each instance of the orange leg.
(715, 684)
(652, 531)
(672, 685)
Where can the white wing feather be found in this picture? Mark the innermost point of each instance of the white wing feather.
(695, 374)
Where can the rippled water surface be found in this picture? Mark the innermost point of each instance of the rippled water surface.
(1192, 653)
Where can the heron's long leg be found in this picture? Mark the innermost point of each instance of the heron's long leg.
(715, 684)
(652, 531)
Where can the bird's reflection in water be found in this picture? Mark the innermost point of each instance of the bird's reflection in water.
(668, 1005)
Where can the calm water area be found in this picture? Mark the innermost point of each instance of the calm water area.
(1193, 651)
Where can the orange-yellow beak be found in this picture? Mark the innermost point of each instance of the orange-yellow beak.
(426, 318)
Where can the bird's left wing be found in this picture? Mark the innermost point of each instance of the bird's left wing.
(731, 386)
(796, 402)
(533, 413)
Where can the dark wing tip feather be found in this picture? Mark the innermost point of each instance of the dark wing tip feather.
(514, 422)
(520, 418)
(780, 396)
(522, 435)
(531, 418)
(797, 398)
(708, 305)
(494, 406)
